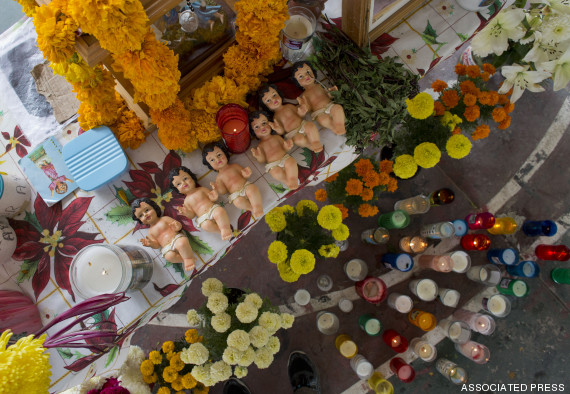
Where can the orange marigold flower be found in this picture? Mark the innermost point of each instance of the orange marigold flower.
(485, 98)
(367, 210)
(469, 99)
(386, 165)
(392, 185)
(384, 178)
(499, 114)
(485, 76)
(367, 194)
(472, 113)
(505, 123)
(363, 166)
(487, 67)
(456, 130)
(353, 187)
(493, 98)
(473, 71)
(503, 99)
(371, 179)
(460, 69)
(467, 87)
(343, 210)
(439, 108)
(509, 107)
(450, 98)
(480, 132)
(438, 85)
(332, 178)
(321, 195)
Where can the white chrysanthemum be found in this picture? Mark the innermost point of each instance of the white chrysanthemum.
(255, 299)
(560, 70)
(247, 358)
(201, 373)
(238, 339)
(258, 336)
(196, 354)
(91, 384)
(220, 371)
(221, 322)
(273, 345)
(263, 358)
(270, 321)
(494, 38)
(246, 312)
(519, 78)
(556, 29)
(232, 355)
(211, 286)
(193, 318)
(130, 374)
(217, 303)
(287, 320)
(240, 372)
(135, 356)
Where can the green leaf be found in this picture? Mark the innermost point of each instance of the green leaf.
(33, 220)
(123, 195)
(198, 246)
(65, 353)
(278, 188)
(78, 355)
(308, 156)
(462, 37)
(98, 318)
(112, 354)
(27, 270)
(178, 268)
(429, 35)
(120, 214)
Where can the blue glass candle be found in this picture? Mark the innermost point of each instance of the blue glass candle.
(525, 269)
(539, 228)
(398, 261)
(460, 227)
(508, 256)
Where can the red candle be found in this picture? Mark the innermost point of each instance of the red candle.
(475, 242)
(552, 252)
(397, 342)
(233, 123)
(371, 289)
(402, 370)
(478, 221)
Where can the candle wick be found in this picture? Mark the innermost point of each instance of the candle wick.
(104, 272)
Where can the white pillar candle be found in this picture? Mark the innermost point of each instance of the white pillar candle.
(400, 302)
(345, 305)
(424, 289)
(327, 323)
(484, 324)
(423, 349)
(302, 297)
(356, 269)
(361, 366)
(449, 297)
(461, 261)
(498, 305)
(298, 27)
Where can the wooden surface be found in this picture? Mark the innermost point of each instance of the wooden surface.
(355, 17)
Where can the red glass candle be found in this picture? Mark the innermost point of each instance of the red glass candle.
(397, 342)
(478, 221)
(475, 242)
(233, 123)
(371, 289)
(552, 252)
(402, 370)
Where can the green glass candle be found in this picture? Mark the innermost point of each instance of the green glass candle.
(513, 287)
(395, 219)
(561, 275)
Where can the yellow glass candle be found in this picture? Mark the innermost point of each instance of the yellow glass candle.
(505, 225)
(380, 385)
(424, 320)
(346, 346)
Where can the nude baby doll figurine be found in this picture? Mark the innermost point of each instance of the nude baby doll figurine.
(272, 149)
(288, 119)
(200, 202)
(164, 232)
(233, 179)
(324, 110)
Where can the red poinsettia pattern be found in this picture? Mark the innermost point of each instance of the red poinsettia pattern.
(152, 182)
(52, 232)
(19, 141)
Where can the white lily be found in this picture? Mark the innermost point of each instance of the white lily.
(559, 6)
(543, 50)
(556, 29)
(560, 70)
(494, 38)
(520, 79)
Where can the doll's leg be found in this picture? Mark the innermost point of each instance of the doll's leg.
(210, 226)
(334, 120)
(243, 203)
(182, 246)
(292, 173)
(313, 137)
(223, 221)
(254, 196)
(302, 141)
(281, 175)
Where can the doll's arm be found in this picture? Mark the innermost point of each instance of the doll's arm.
(174, 224)
(213, 194)
(184, 210)
(276, 126)
(303, 106)
(219, 186)
(150, 242)
(258, 154)
(246, 172)
(288, 144)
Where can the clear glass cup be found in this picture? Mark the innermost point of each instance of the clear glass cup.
(413, 205)
(327, 323)
(483, 324)
(451, 371)
(488, 274)
(474, 351)
(457, 331)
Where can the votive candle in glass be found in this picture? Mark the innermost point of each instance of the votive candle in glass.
(498, 305)
(507, 256)
(398, 261)
(361, 366)
(346, 346)
(461, 261)
(232, 120)
(402, 370)
(356, 269)
(540, 228)
(394, 220)
(503, 225)
(442, 197)
(302, 297)
(457, 331)
(370, 324)
(423, 349)
(400, 302)
(560, 275)
(438, 230)
(413, 205)
(424, 289)
(514, 287)
(375, 236)
(440, 263)
(371, 289)
(327, 323)
(345, 305)
(413, 244)
(483, 324)
(324, 282)
(395, 341)
(448, 297)
(474, 351)
(460, 227)
(552, 252)
(488, 274)
(451, 371)
(379, 384)
(480, 221)
(424, 320)
(525, 269)
(475, 242)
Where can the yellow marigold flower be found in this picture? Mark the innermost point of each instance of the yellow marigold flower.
(332, 178)
(277, 252)
(147, 368)
(177, 363)
(331, 250)
(163, 390)
(458, 146)
(363, 166)
(321, 195)
(217, 302)
(427, 154)
(275, 220)
(392, 185)
(167, 346)
(286, 273)
(218, 92)
(246, 312)
(450, 120)
(480, 132)
(28, 6)
(174, 127)
(238, 339)
(302, 261)
(341, 233)
(149, 379)
(421, 106)
(405, 166)
(155, 357)
(367, 194)
(329, 217)
(191, 335)
(343, 210)
(188, 381)
(56, 33)
(129, 130)
(287, 209)
(211, 286)
(353, 187)
(200, 389)
(169, 355)
(306, 204)
(177, 384)
(386, 166)
(472, 113)
(169, 374)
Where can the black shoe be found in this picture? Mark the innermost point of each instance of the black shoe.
(235, 386)
(302, 372)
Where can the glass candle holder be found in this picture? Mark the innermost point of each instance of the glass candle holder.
(400, 302)
(232, 120)
(371, 289)
(370, 325)
(475, 242)
(525, 269)
(297, 33)
(552, 252)
(415, 244)
(346, 346)
(302, 297)
(441, 197)
(507, 256)
(363, 368)
(438, 230)
(106, 269)
(457, 331)
(540, 228)
(394, 220)
(398, 261)
(480, 221)
(448, 297)
(474, 351)
(356, 269)
(375, 236)
(424, 289)
(379, 384)
(451, 371)
(395, 341)
(402, 370)
(504, 225)
(423, 349)
(413, 205)
(488, 274)
(461, 261)
(327, 323)
(324, 283)
(514, 287)
(498, 305)
(483, 324)
(460, 227)
(440, 263)
(424, 320)
(560, 275)
(345, 305)
(342, 245)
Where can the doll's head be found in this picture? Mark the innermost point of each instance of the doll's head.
(137, 212)
(259, 123)
(178, 178)
(270, 98)
(215, 155)
(303, 74)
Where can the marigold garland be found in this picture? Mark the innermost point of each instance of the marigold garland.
(170, 122)
(28, 6)
(56, 32)
(218, 92)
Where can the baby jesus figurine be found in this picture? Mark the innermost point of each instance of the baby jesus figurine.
(164, 232)
(272, 149)
(200, 202)
(232, 178)
(324, 110)
(288, 119)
